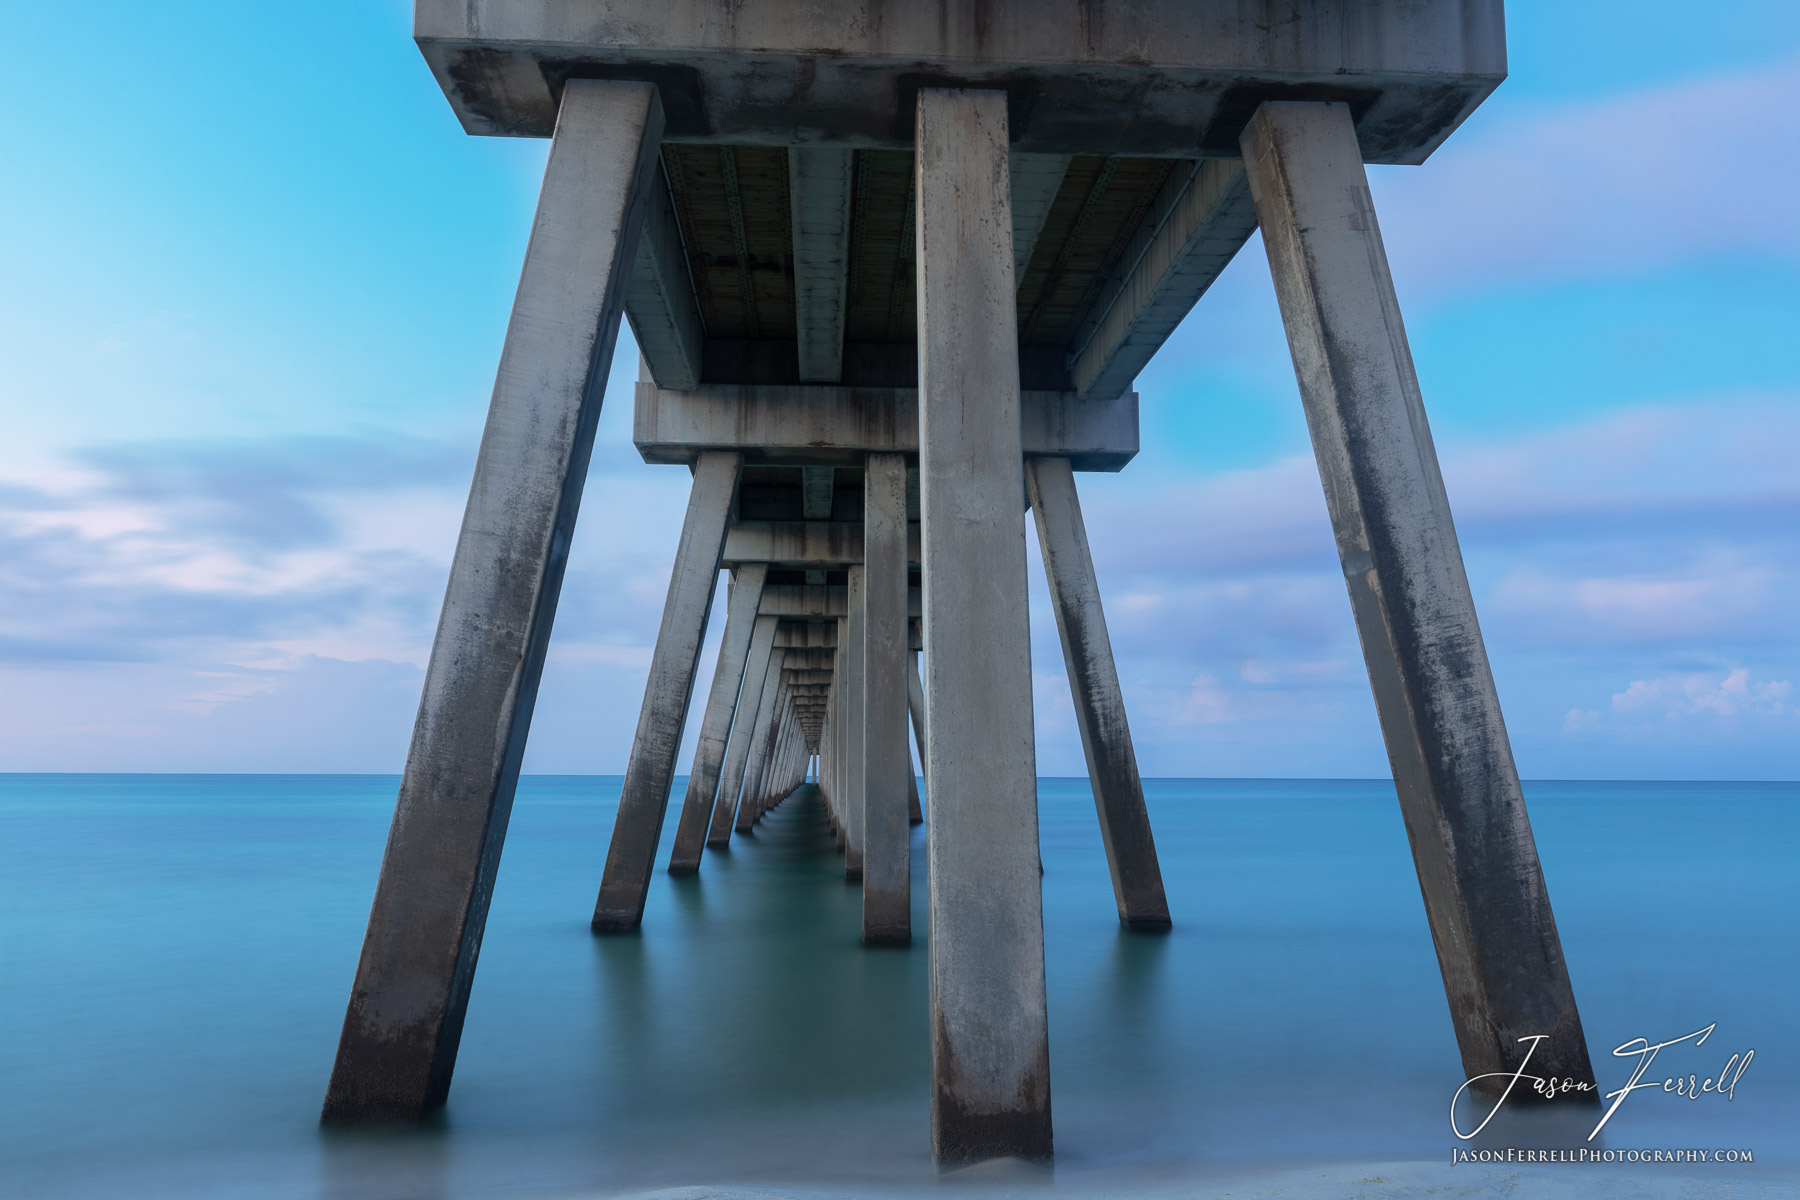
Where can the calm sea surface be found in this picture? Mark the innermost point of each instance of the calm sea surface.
(175, 953)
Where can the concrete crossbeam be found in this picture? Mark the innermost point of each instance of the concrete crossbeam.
(990, 1029)
(798, 634)
(803, 543)
(822, 424)
(1454, 773)
(404, 1019)
(1201, 219)
(819, 185)
(650, 770)
(819, 600)
(1154, 77)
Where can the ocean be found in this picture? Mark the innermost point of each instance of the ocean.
(176, 951)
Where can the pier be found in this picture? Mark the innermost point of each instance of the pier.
(892, 269)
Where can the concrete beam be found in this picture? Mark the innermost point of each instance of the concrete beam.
(1154, 77)
(650, 771)
(1458, 786)
(819, 184)
(818, 489)
(660, 301)
(805, 635)
(1199, 221)
(820, 600)
(404, 1020)
(1099, 704)
(803, 543)
(795, 425)
(990, 1060)
(1036, 178)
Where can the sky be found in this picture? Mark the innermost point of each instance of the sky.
(256, 280)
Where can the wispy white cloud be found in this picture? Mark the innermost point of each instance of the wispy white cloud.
(1622, 185)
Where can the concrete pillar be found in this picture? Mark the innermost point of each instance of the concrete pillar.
(1099, 706)
(840, 787)
(915, 704)
(405, 1015)
(990, 1057)
(887, 763)
(737, 750)
(709, 754)
(827, 743)
(854, 723)
(1440, 714)
(650, 771)
(766, 712)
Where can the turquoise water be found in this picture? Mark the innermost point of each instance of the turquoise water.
(175, 952)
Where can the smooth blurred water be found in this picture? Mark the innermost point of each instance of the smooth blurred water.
(175, 953)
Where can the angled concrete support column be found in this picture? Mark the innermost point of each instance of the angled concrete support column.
(855, 724)
(405, 1015)
(1440, 715)
(737, 750)
(887, 763)
(715, 728)
(650, 771)
(990, 1058)
(766, 711)
(1099, 706)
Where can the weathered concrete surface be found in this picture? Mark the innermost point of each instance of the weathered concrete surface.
(824, 599)
(1035, 181)
(819, 191)
(818, 486)
(1155, 77)
(803, 543)
(1099, 705)
(1434, 690)
(887, 763)
(1197, 225)
(990, 1059)
(660, 302)
(715, 728)
(856, 724)
(777, 423)
(737, 749)
(766, 712)
(650, 771)
(405, 1015)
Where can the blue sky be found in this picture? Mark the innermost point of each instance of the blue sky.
(257, 279)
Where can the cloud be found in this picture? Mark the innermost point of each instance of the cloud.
(203, 589)
(1729, 703)
(1620, 186)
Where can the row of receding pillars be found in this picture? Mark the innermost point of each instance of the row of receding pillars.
(990, 1082)
(773, 706)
